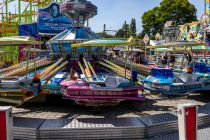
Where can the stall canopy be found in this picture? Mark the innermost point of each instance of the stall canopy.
(64, 40)
(18, 40)
(175, 44)
(167, 50)
(201, 48)
(134, 50)
(106, 42)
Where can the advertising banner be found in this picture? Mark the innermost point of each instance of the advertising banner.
(51, 21)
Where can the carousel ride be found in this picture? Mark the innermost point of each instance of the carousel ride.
(109, 84)
(76, 73)
(78, 69)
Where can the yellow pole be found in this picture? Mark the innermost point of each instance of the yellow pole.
(91, 68)
(88, 75)
(82, 69)
(87, 67)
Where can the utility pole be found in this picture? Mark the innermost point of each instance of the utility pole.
(88, 23)
(6, 6)
(205, 10)
(104, 31)
(19, 11)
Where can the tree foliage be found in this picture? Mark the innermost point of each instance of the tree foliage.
(180, 11)
(105, 35)
(133, 27)
(127, 30)
(124, 31)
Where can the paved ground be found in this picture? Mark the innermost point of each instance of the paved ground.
(155, 104)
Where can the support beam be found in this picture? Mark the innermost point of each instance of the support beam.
(6, 9)
(19, 11)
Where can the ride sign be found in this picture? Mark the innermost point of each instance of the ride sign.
(51, 21)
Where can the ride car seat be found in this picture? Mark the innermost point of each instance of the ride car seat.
(114, 81)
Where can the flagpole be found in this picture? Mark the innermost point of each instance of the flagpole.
(205, 6)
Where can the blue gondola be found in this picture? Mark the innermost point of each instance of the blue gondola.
(165, 81)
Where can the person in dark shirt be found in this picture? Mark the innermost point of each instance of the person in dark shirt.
(188, 57)
(172, 59)
(164, 58)
(141, 59)
(81, 58)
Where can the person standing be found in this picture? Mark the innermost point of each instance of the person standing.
(188, 57)
(172, 59)
(164, 58)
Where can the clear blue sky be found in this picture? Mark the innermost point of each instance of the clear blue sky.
(115, 12)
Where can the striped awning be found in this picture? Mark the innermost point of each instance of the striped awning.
(74, 35)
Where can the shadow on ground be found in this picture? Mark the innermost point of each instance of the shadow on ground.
(58, 108)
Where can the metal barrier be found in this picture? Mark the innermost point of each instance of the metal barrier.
(154, 127)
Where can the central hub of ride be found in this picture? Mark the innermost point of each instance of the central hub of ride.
(78, 11)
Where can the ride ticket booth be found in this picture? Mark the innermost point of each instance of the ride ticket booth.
(187, 121)
(6, 123)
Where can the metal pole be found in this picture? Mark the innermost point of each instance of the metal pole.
(27, 68)
(145, 49)
(104, 31)
(145, 53)
(204, 43)
(31, 13)
(131, 67)
(34, 60)
(156, 56)
(60, 47)
(19, 11)
(192, 59)
(88, 23)
(6, 6)
(182, 60)
(205, 10)
(126, 59)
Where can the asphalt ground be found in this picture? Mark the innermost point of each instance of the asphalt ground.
(56, 108)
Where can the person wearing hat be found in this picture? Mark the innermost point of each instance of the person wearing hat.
(36, 83)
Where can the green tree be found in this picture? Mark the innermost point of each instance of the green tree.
(133, 27)
(180, 11)
(105, 35)
(124, 31)
(120, 33)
